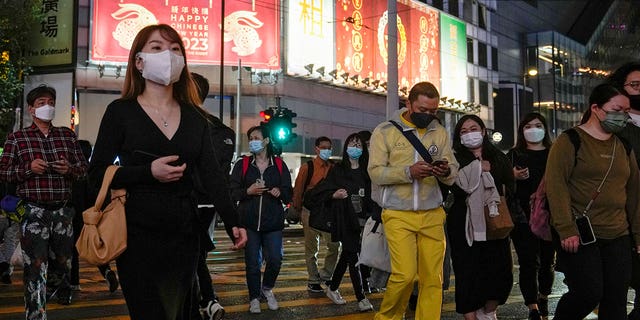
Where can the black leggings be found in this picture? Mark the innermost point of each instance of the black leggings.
(350, 259)
(537, 260)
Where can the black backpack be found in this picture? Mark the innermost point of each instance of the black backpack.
(224, 142)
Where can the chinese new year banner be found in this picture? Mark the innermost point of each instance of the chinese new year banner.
(251, 30)
(362, 41)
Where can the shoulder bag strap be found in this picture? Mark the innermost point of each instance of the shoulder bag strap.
(597, 192)
(106, 182)
(415, 142)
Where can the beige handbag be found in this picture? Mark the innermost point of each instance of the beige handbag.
(104, 234)
(500, 226)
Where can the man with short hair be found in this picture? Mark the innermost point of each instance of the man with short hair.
(413, 216)
(223, 139)
(43, 161)
(309, 175)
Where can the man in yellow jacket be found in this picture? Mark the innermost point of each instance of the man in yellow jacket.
(411, 199)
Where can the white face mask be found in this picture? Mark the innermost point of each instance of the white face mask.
(533, 135)
(472, 139)
(635, 119)
(163, 67)
(45, 113)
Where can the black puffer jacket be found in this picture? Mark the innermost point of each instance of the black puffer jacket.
(265, 212)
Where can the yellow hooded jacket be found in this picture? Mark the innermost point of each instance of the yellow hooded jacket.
(390, 156)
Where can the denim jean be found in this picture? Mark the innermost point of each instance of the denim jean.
(598, 274)
(268, 244)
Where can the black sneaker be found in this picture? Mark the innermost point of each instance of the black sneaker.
(112, 280)
(543, 306)
(5, 275)
(64, 295)
(5, 278)
(534, 315)
(315, 287)
(413, 302)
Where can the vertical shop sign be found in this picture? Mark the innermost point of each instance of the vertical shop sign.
(310, 35)
(454, 57)
(51, 41)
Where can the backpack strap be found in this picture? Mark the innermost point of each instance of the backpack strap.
(627, 145)
(245, 166)
(309, 175)
(574, 137)
(278, 162)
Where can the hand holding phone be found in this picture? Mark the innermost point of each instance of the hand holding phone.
(439, 163)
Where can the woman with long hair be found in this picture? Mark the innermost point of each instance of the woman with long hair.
(482, 267)
(592, 193)
(347, 193)
(261, 184)
(160, 136)
(536, 256)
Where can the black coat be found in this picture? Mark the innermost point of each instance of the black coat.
(345, 226)
(265, 212)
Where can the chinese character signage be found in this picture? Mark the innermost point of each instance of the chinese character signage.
(310, 35)
(251, 30)
(453, 55)
(362, 41)
(52, 39)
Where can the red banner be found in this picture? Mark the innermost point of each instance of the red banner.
(361, 41)
(252, 29)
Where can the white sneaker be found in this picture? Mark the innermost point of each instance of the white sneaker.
(213, 311)
(481, 315)
(364, 305)
(335, 296)
(254, 306)
(271, 299)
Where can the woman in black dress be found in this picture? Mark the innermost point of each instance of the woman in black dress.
(346, 193)
(535, 256)
(482, 268)
(160, 135)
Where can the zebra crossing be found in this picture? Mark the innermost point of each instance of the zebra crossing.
(94, 301)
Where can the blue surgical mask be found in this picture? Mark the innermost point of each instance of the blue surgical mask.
(255, 146)
(325, 154)
(354, 152)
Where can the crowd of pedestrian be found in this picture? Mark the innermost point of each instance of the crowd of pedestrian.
(397, 177)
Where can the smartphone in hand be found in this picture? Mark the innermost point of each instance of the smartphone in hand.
(438, 163)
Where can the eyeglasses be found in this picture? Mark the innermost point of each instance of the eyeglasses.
(633, 84)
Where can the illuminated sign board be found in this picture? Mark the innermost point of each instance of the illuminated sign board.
(52, 39)
(310, 35)
(453, 55)
(252, 29)
(361, 41)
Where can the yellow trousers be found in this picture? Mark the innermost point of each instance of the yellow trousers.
(416, 246)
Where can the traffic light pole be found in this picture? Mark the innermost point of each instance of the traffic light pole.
(237, 122)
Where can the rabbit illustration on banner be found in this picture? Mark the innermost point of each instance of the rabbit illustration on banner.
(133, 18)
(240, 27)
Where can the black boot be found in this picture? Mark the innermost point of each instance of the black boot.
(5, 275)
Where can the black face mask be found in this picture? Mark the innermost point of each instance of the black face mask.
(634, 101)
(421, 120)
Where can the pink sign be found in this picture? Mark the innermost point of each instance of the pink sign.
(251, 31)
